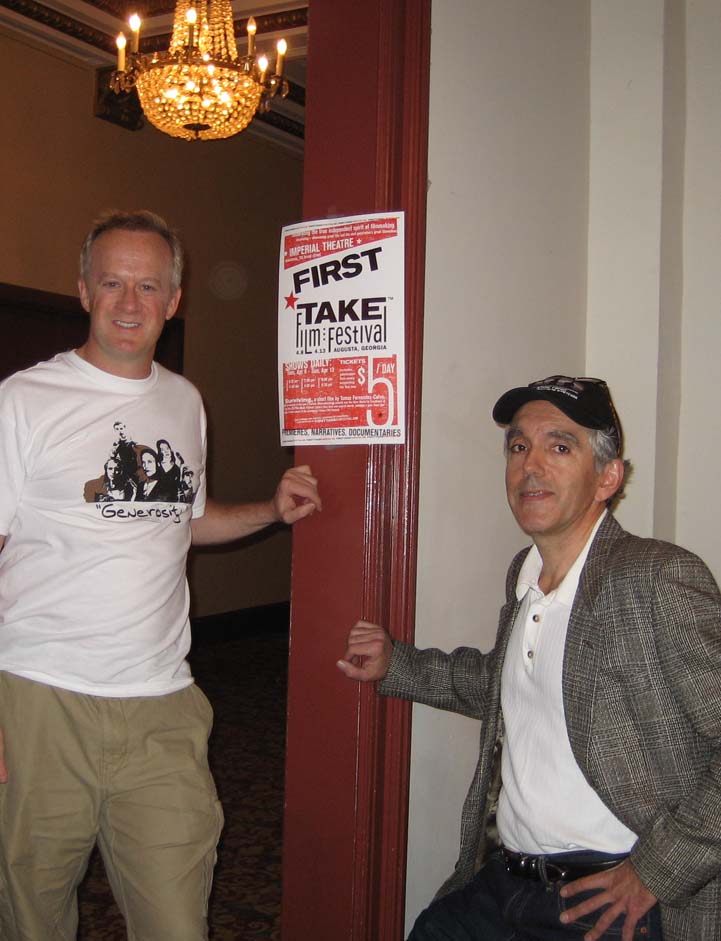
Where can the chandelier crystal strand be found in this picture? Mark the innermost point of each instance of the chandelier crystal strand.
(200, 89)
(179, 39)
(221, 32)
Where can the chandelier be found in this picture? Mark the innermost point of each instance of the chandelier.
(200, 89)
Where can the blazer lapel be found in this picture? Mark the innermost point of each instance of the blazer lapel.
(582, 641)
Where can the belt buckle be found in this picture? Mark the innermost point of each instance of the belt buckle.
(524, 865)
(554, 874)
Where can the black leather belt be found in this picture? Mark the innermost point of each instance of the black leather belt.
(550, 870)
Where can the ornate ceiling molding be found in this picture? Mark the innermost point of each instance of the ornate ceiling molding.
(73, 28)
(76, 29)
(146, 8)
(61, 23)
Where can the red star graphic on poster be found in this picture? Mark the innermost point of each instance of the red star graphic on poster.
(290, 301)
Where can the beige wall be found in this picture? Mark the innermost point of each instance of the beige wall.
(574, 225)
(505, 299)
(699, 460)
(634, 261)
(60, 165)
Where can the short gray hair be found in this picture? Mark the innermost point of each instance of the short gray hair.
(141, 220)
(605, 447)
(604, 444)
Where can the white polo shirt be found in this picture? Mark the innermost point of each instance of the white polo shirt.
(546, 805)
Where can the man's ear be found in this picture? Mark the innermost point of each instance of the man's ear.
(173, 304)
(84, 295)
(611, 480)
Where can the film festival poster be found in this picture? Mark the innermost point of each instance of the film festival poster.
(341, 331)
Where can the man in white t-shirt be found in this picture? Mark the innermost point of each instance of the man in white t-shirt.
(601, 696)
(103, 733)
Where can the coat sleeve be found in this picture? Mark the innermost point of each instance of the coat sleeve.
(465, 681)
(681, 850)
(454, 681)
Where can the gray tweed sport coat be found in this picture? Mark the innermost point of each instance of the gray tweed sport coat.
(642, 697)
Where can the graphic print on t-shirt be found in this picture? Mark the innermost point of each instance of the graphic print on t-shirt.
(140, 473)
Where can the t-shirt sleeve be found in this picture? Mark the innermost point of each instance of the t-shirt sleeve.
(199, 501)
(12, 463)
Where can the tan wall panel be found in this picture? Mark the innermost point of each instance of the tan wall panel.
(60, 166)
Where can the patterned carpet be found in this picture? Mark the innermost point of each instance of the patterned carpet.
(240, 662)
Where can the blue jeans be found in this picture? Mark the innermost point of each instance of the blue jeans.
(498, 906)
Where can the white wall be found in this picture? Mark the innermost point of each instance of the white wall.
(574, 225)
(624, 237)
(634, 250)
(654, 238)
(699, 513)
(505, 303)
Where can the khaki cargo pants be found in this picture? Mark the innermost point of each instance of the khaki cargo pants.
(129, 774)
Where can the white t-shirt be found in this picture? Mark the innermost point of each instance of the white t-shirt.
(99, 478)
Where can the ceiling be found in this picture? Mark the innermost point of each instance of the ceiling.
(85, 32)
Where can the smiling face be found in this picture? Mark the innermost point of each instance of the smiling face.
(552, 485)
(128, 294)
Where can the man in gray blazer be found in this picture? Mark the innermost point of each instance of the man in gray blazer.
(604, 691)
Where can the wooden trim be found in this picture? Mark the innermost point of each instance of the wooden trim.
(392, 479)
(38, 324)
(348, 750)
(22, 298)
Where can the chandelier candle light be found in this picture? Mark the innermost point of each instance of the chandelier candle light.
(200, 89)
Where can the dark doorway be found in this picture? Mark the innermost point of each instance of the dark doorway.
(240, 662)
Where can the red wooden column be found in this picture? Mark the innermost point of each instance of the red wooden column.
(347, 749)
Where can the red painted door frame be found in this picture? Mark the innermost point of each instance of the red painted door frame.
(348, 750)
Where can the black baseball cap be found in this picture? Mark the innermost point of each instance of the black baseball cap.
(587, 401)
